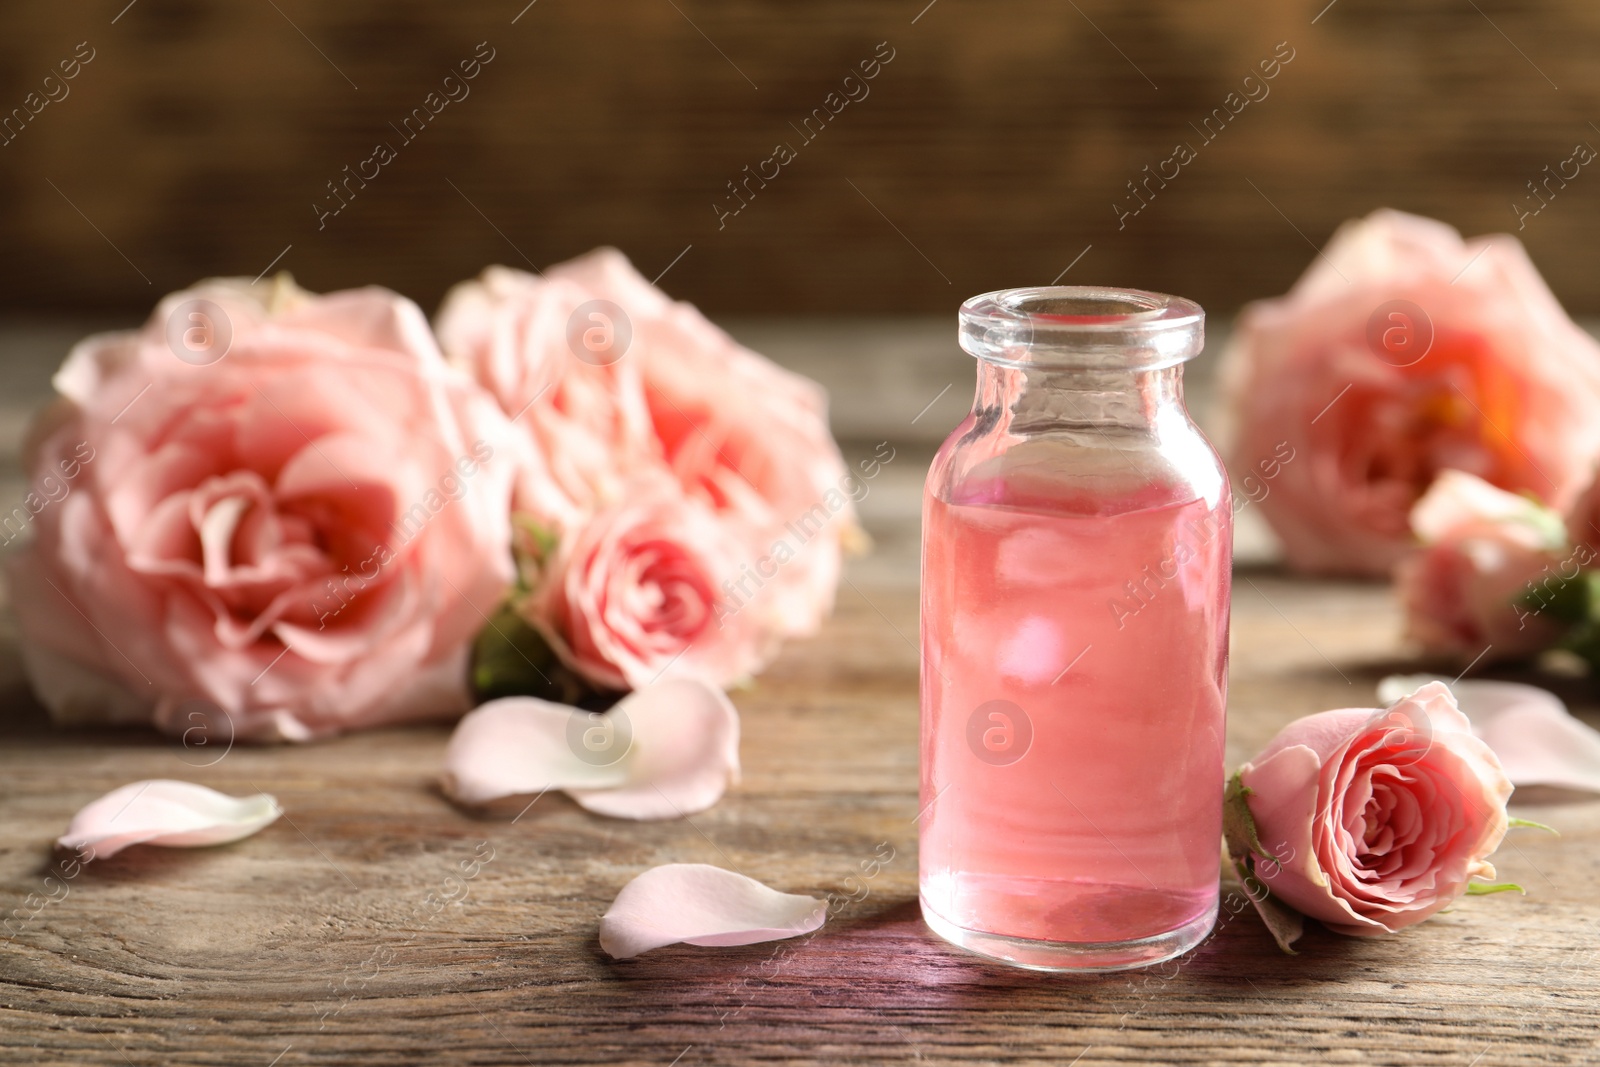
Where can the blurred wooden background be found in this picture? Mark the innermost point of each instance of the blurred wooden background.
(988, 152)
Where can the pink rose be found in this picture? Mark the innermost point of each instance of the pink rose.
(1372, 820)
(613, 378)
(1401, 352)
(742, 433)
(637, 593)
(586, 418)
(1466, 594)
(281, 508)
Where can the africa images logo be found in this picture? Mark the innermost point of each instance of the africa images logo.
(999, 732)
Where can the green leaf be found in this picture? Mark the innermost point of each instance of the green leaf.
(1567, 600)
(512, 658)
(1584, 640)
(1483, 889)
(1513, 823)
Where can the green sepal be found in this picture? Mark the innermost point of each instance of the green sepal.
(1244, 843)
(1545, 521)
(537, 539)
(1238, 824)
(1583, 638)
(1483, 889)
(512, 658)
(1568, 600)
(1514, 823)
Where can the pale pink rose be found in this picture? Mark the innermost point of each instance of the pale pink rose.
(663, 386)
(1476, 589)
(1370, 820)
(295, 529)
(1463, 598)
(636, 595)
(1401, 352)
(586, 417)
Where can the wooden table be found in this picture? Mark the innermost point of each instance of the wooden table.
(326, 939)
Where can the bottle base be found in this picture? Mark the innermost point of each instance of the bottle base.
(1081, 956)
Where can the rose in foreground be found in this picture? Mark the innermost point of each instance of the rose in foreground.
(1401, 352)
(637, 593)
(1472, 592)
(285, 511)
(617, 383)
(1372, 820)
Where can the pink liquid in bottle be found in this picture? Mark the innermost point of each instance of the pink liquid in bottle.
(1074, 682)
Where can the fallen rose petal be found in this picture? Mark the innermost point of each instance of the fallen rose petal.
(685, 753)
(1537, 740)
(168, 813)
(518, 745)
(702, 905)
(666, 751)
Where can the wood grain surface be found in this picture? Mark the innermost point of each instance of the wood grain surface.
(376, 923)
(998, 145)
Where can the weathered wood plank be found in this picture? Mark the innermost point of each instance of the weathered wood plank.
(321, 940)
(317, 938)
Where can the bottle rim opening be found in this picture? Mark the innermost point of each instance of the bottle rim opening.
(1082, 326)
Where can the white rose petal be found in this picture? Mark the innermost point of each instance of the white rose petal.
(666, 751)
(703, 905)
(169, 813)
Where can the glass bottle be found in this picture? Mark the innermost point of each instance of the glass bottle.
(1076, 558)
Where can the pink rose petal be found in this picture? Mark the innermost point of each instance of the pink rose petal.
(515, 746)
(682, 752)
(1286, 830)
(702, 905)
(685, 753)
(1457, 500)
(169, 813)
(1536, 738)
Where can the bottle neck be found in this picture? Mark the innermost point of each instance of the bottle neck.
(1027, 400)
